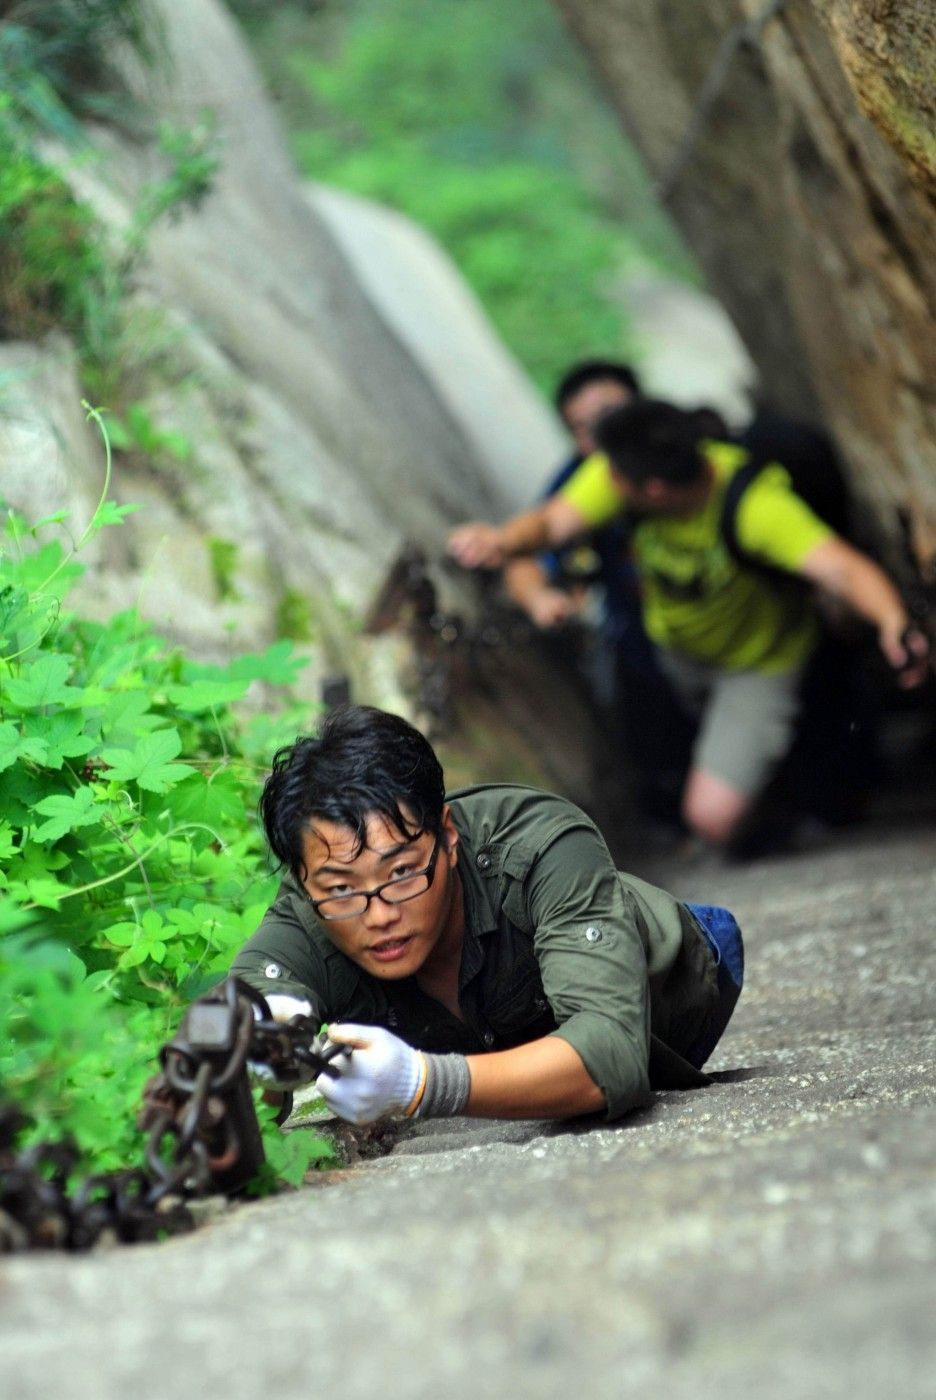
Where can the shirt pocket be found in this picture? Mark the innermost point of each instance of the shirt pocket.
(517, 1009)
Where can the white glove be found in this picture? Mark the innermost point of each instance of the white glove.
(383, 1075)
(283, 1008)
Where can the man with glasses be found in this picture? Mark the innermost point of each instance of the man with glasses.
(480, 953)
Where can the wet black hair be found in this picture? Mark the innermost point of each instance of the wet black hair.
(650, 438)
(590, 372)
(363, 761)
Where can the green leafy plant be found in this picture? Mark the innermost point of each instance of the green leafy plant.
(57, 56)
(73, 1056)
(193, 158)
(223, 555)
(58, 267)
(293, 617)
(132, 865)
(135, 431)
(52, 267)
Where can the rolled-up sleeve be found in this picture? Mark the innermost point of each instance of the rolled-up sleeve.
(591, 939)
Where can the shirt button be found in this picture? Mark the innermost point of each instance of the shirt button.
(484, 861)
(273, 970)
(594, 935)
(488, 1038)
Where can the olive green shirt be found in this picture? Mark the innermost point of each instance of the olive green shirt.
(557, 941)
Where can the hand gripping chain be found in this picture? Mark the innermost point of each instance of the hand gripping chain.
(202, 1132)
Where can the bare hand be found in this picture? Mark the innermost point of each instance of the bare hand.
(477, 546)
(550, 607)
(908, 651)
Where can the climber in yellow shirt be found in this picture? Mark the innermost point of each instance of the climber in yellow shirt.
(723, 593)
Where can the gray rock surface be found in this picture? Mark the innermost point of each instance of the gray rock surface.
(690, 353)
(319, 442)
(424, 299)
(774, 1234)
(806, 196)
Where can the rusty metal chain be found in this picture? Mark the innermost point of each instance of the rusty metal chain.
(201, 1125)
(745, 35)
(446, 644)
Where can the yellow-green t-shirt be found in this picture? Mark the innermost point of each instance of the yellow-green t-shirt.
(698, 600)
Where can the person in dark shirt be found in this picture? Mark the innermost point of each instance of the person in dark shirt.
(651, 734)
(478, 952)
(538, 585)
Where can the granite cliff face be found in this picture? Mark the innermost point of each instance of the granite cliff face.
(807, 196)
(330, 421)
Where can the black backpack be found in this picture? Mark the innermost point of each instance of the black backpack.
(815, 473)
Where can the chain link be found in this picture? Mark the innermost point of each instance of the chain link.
(445, 644)
(201, 1125)
(745, 35)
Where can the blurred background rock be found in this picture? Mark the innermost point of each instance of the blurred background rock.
(323, 262)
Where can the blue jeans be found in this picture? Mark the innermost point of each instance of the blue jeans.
(720, 929)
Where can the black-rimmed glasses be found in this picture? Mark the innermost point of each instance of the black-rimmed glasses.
(351, 906)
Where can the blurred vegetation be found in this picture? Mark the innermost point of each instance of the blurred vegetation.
(57, 57)
(132, 864)
(480, 121)
(59, 268)
(53, 272)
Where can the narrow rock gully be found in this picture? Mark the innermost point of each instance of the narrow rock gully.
(771, 1235)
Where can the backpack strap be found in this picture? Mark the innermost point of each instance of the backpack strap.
(728, 527)
(728, 524)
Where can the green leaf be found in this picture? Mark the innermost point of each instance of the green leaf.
(152, 923)
(143, 941)
(206, 694)
(36, 861)
(219, 802)
(148, 764)
(67, 814)
(20, 790)
(121, 935)
(127, 712)
(55, 519)
(133, 956)
(111, 513)
(278, 665)
(13, 746)
(8, 846)
(15, 606)
(184, 921)
(43, 682)
(46, 892)
(61, 734)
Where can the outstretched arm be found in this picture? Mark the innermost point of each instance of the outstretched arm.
(532, 589)
(480, 546)
(864, 586)
(545, 1079)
